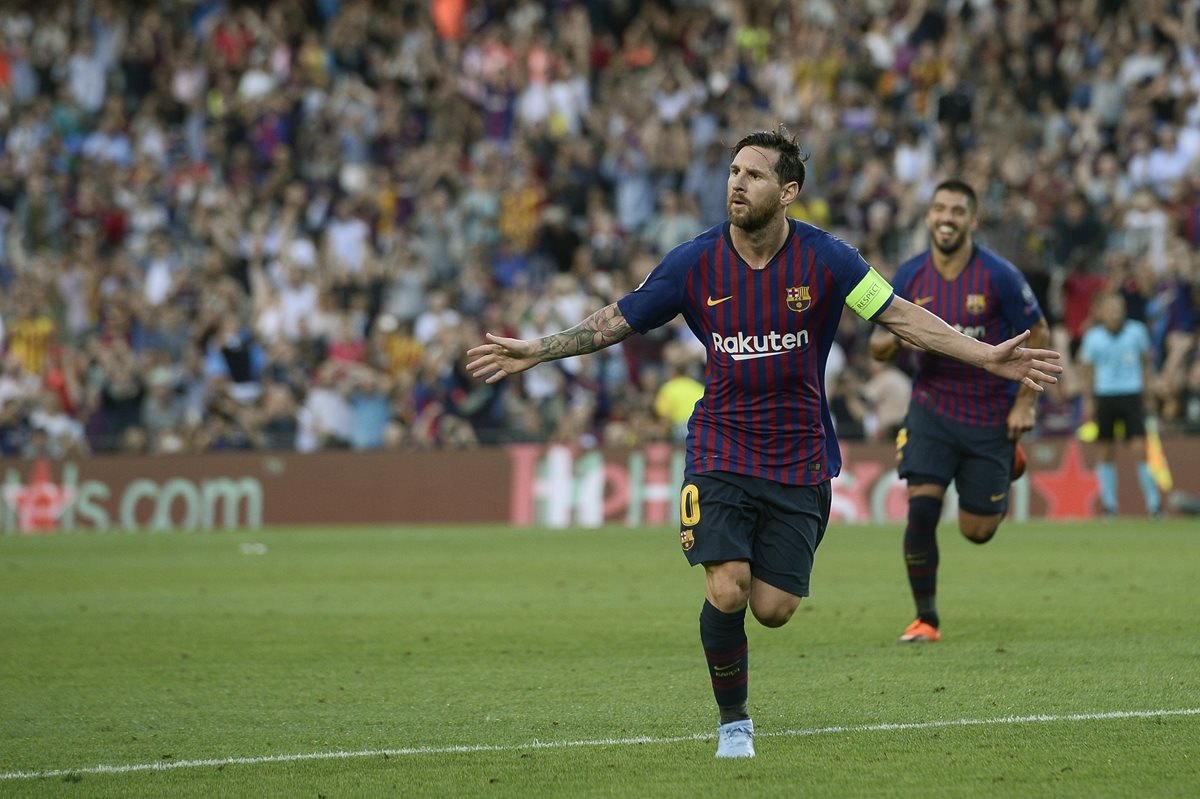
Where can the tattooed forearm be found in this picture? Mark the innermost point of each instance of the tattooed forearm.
(602, 329)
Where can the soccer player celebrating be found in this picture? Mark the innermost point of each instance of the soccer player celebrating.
(764, 294)
(1115, 365)
(963, 422)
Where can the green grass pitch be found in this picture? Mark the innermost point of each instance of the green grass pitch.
(463, 661)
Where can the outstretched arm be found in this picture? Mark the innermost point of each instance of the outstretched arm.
(1010, 360)
(508, 356)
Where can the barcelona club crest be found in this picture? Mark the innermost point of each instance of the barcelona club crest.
(687, 540)
(976, 303)
(799, 298)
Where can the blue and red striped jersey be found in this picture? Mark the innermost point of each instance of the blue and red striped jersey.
(767, 333)
(990, 301)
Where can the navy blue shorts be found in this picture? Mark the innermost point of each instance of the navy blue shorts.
(777, 527)
(933, 449)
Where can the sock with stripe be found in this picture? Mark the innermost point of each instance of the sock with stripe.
(921, 554)
(1149, 487)
(1107, 473)
(723, 636)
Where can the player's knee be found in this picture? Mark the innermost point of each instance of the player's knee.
(979, 532)
(727, 593)
(774, 614)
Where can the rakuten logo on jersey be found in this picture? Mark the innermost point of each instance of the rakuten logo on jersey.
(742, 347)
(974, 331)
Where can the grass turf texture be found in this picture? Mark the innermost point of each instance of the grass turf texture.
(142, 649)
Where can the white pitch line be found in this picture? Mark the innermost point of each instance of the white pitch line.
(535, 744)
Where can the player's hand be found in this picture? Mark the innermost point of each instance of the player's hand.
(1029, 367)
(1021, 419)
(501, 357)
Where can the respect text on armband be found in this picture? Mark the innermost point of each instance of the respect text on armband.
(866, 299)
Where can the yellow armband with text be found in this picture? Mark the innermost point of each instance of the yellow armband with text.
(870, 295)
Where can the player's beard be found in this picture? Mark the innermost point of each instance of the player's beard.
(952, 244)
(749, 217)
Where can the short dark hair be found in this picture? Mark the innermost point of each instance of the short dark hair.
(960, 187)
(790, 165)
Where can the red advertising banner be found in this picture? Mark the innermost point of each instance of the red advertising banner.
(523, 485)
(561, 487)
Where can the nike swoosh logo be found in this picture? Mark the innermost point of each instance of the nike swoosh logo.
(712, 302)
(922, 300)
(746, 356)
(998, 497)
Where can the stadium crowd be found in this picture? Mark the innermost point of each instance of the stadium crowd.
(280, 224)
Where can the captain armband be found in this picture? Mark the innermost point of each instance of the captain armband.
(871, 294)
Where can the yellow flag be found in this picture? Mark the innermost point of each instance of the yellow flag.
(1156, 459)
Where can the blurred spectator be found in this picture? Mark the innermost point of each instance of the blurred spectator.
(325, 420)
(1078, 235)
(346, 238)
(277, 426)
(850, 411)
(437, 316)
(671, 225)
(1145, 227)
(704, 184)
(627, 167)
(118, 393)
(679, 393)
(15, 428)
(556, 243)
(29, 334)
(370, 408)
(886, 391)
(162, 411)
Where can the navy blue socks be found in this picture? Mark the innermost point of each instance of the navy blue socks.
(921, 554)
(723, 636)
